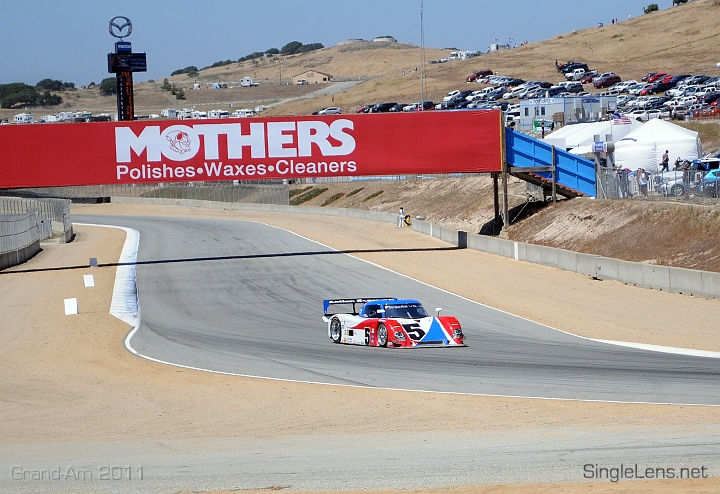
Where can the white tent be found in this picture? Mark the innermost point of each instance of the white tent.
(582, 135)
(644, 147)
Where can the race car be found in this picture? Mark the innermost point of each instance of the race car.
(389, 322)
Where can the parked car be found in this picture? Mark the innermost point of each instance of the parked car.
(426, 106)
(382, 107)
(364, 109)
(480, 73)
(397, 108)
(451, 94)
(333, 110)
(588, 77)
(607, 81)
(709, 185)
(656, 76)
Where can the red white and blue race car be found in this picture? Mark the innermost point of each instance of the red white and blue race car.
(392, 322)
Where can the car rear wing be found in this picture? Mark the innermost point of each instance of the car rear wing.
(356, 303)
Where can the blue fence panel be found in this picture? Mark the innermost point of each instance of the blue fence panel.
(572, 171)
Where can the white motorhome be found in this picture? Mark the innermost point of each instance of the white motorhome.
(248, 82)
(184, 114)
(169, 113)
(245, 112)
(23, 118)
(198, 115)
(218, 114)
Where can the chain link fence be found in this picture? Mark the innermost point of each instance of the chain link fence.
(690, 186)
(236, 191)
(47, 212)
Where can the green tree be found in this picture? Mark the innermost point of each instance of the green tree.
(108, 86)
(166, 85)
(272, 51)
(290, 48)
(180, 93)
(651, 8)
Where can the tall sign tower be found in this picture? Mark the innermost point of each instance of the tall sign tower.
(123, 62)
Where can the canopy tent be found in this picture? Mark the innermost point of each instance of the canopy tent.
(644, 147)
(583, 134)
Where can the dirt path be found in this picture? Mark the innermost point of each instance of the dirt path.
(60, 369)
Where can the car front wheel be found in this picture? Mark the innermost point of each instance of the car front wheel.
(335, 330)
(677, 190)
(382, 335)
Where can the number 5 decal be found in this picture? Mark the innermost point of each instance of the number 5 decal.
(367, 336)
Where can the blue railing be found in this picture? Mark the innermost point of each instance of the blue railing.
(572, 171)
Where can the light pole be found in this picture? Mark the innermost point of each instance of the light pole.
(422, 58)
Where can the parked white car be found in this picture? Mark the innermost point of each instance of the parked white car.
(333, 110)
(451, 95)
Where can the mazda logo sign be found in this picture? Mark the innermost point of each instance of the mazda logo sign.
(120, 27)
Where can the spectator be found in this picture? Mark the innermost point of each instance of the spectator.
(665, 162)
(642, 182)
(401, 217)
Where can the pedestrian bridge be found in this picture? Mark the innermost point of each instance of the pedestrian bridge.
(526, 156)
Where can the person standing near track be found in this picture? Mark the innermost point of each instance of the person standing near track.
(401, 217)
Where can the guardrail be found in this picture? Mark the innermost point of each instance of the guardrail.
(676, 280)
(19, 238)
(53, 214)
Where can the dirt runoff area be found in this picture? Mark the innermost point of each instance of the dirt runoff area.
(59, 369)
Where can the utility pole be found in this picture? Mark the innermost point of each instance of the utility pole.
(422, 57)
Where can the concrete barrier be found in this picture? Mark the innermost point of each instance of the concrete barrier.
(19, 256)
(633, 273)
(710, 285)
(656, 277)
(607, 268)
(677, 280)
(685, 281)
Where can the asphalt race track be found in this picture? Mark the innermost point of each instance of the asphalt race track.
(246, 298)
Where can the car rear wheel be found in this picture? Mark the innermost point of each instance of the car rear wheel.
(335, 330)
(382, 335)
(677, 190)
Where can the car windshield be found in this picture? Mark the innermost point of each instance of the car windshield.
(405, 311)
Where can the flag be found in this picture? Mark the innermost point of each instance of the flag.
(620, 119)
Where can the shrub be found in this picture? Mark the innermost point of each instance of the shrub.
(375, 194)
(353, 192)
(307, 196)
(651, 8)
(332, 199)
(295, 192)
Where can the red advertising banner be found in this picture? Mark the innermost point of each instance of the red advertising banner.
(44, 155)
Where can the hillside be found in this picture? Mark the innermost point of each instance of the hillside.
(678, 39)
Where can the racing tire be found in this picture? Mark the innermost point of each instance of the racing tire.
(677, 190)
(335, 330)
(382, 335)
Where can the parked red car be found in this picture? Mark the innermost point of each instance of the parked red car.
(480, 73)
(607, 81)
(589, 77)
(656, 76)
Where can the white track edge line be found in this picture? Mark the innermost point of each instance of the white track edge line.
(130, 247)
